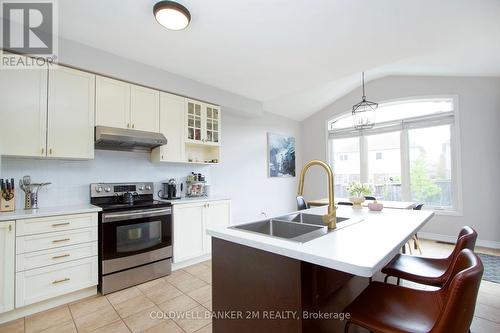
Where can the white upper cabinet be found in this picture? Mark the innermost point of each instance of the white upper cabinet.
(202, 123)
(124, 105)
(47, 113)
(172, 126)
(112, 103)
(70, 131)
(144, 109)
(23, 112)
(7, 264)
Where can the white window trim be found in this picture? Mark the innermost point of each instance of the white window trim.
(428, 121)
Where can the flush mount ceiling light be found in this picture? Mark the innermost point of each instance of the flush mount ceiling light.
(172, 15)
(364, 112)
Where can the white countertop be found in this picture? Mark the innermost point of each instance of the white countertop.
(185, 200)
(361, 248)
(48, 211)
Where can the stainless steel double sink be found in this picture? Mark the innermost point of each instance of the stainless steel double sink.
(298, 227)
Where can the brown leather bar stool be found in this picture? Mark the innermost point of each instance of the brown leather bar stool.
(388, 308)
(430, 271)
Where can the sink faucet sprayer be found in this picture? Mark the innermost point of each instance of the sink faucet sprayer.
(329, 219)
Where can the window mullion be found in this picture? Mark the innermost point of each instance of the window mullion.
(405, 166)
(363, 159)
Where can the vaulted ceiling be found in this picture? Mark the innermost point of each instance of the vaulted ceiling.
(296, 56)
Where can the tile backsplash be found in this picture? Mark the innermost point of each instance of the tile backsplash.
(71, 179)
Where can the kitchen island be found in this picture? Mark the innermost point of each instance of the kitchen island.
(276, 285)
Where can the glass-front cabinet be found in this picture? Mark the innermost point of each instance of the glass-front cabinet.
(212, 132)
(203, 123)
(194, 121)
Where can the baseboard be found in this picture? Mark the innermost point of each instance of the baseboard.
(48, 304)
(186, 263)
(453, 239)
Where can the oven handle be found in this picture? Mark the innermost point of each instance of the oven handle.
(131, 215)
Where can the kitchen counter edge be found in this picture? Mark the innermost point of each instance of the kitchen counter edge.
(21, 214)
(185, 200)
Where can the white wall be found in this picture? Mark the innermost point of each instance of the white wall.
(479, 107)
(71, 179)
(91, 59)
(242, 173)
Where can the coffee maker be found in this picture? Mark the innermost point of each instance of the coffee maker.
(169, 190)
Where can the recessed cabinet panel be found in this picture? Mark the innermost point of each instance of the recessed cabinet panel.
(71, 114)
(190, 224)
(23, 112)
(112, 103)
(217, 213)
(172, 126)
(144, 108)
(7, 264)
(188, 231)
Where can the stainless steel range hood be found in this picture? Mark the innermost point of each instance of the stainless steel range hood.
(111, 138)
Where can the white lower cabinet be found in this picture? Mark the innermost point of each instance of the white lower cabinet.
(190, 223)
(39, 284)
(47, 257)
(27, 261)
(7, 263)
(188, 231)
(218, 213)
(25, 244)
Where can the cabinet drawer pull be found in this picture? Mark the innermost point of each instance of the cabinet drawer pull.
(128, 125)
(60, 240)
(43, 151)
(60, 224)
(50, 151)
(133, 125)
(6, 226)
(61, 256)
(59, 281)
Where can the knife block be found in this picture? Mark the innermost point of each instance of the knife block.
(7, 205)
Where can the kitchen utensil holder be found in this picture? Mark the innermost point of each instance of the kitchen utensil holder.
(31, 200)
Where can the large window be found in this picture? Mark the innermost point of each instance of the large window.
(346, 161)
(410, 154)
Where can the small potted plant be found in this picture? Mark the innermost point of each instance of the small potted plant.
(358, 192)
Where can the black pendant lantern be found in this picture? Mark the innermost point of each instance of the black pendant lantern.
(364, 112)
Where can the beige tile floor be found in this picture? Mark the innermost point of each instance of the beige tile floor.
(189, 291)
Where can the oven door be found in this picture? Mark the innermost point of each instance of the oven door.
(135, 237)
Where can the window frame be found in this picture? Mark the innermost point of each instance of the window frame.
(452, 118)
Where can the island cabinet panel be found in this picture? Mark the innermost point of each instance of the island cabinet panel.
(273, 293)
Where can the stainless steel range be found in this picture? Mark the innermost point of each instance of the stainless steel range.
(135, 235)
